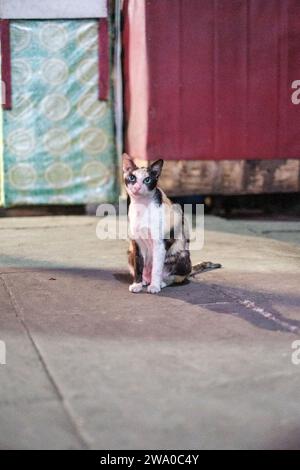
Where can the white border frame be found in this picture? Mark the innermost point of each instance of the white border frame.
(52, 9)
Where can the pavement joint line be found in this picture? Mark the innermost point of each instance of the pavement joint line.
(7, 273)
(266, 232)
(43, 227)
(33, 401)
(20, 315)
(215, 303)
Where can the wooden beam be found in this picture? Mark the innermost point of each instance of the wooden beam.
(228, 177)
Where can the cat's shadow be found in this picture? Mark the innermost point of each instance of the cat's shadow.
(126, 278)
(227, 303)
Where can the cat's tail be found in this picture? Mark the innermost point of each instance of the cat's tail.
(205, 266)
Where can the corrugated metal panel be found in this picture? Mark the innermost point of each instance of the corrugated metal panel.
(220, 75)
(292, 135)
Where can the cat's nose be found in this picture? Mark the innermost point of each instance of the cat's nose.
(136, 187)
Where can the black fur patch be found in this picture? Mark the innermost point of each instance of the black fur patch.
(153, 183)
(135, 259)
(126, 179)
(179, 264)
(170, 261)
(183, 264)
(157, 197)
(169, 241)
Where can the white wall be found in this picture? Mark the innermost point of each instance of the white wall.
(50, 9)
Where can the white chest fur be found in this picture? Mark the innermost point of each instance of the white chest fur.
(146, 227)
(146, 221)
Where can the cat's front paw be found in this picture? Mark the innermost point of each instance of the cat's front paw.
(153, 289)
(136, 287)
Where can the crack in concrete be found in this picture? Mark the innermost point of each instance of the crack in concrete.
(269, 316)
(20, 316)
(283, 325)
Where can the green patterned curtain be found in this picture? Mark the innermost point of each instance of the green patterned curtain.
(58, 138)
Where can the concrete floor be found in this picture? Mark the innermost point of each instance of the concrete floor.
(201, 366)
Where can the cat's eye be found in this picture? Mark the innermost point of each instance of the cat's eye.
(131, 178)
(147, 180)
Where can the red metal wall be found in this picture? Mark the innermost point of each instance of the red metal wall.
(220, 75)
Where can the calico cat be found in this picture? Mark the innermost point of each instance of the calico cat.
(159, 242)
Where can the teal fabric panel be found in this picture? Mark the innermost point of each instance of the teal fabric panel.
(58, 138)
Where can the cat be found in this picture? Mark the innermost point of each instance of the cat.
(159, 253)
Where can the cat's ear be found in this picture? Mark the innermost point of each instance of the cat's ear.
(156, 168)
(128, 163)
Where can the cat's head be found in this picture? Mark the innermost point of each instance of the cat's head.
(140, 182)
